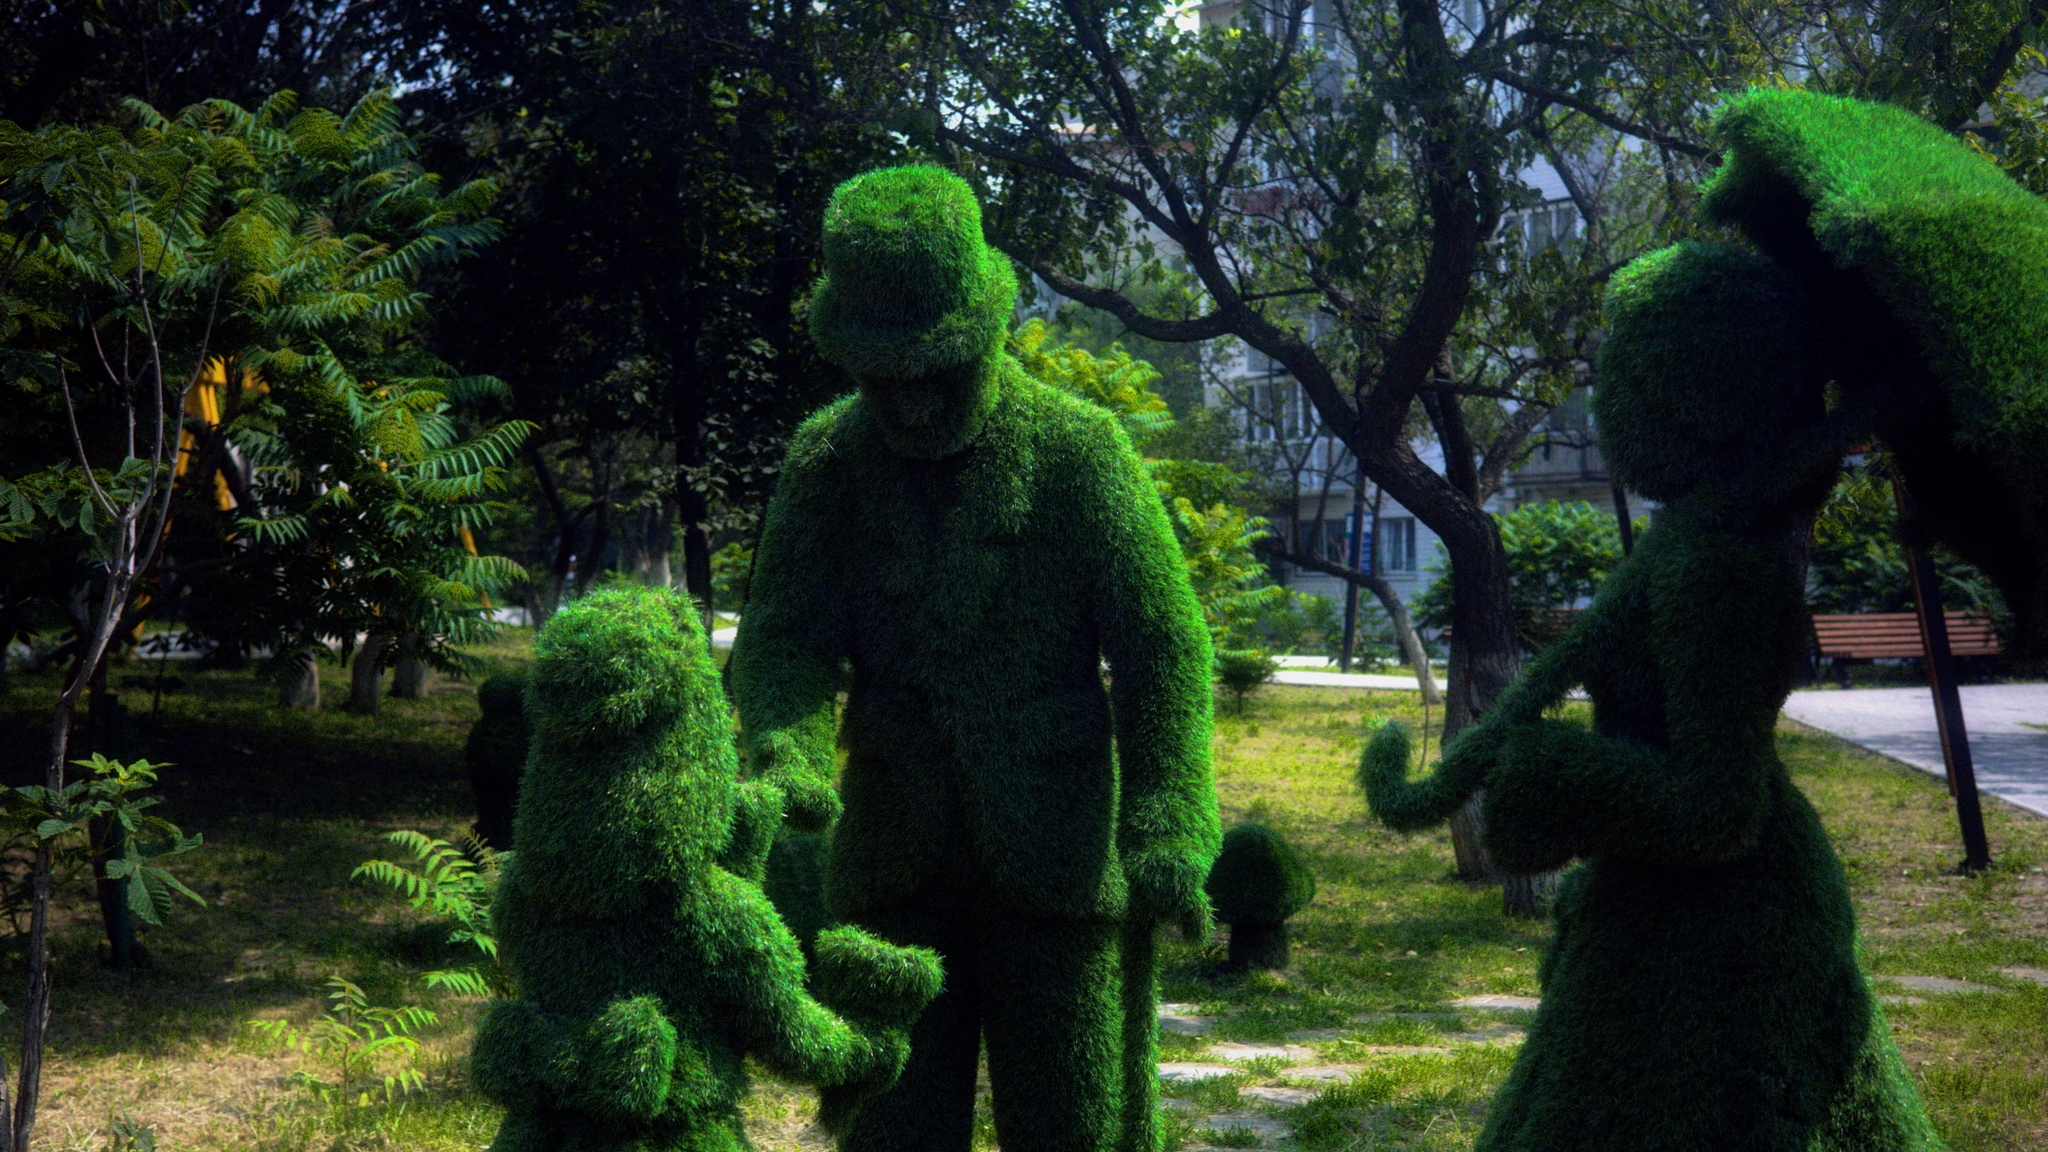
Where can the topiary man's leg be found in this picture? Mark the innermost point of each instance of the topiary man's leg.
(1053, 1011)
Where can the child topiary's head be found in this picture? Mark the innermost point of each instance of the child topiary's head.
(1706, 368)
(502, 696)
(633, 777)
(616, 662)
(1258, 878)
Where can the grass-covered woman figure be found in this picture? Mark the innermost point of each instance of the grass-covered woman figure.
(962, 548)
(1703, 991)
(647, 961)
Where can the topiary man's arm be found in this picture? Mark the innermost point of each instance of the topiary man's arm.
(1157, 645)
(785, 672)
(1561, 791)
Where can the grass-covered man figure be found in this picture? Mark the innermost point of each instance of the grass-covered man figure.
(973, 545)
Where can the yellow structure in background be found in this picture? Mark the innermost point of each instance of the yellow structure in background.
(203, 401)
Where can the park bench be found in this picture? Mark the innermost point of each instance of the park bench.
(1896, 636)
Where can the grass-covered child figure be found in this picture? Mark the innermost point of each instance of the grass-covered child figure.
(647, 961)
(1702, 993)
(961, 548)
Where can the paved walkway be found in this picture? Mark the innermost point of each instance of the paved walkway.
(2006, 722)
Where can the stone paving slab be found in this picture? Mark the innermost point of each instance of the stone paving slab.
(1321, 1073)
(1181, 1025)
(1498, 1003)
(1240, 1053)
(2036, 975)
(1265, 1126)
(1937, 984)
(1279, 1096)
(1191, 1072)
(2010, 753)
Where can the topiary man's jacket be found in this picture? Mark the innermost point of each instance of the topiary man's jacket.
(974, 600)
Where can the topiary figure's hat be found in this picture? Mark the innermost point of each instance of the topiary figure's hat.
(910, 286)
(1930, 267)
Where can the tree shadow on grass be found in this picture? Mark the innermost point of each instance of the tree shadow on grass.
(289, 803)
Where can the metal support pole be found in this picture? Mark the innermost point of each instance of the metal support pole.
(1948, 700)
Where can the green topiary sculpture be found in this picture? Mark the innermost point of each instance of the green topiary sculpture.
(1703, 990)
(972, 545)
(646, 969)
(496, 756)
(1929, 271)
(1256, 883)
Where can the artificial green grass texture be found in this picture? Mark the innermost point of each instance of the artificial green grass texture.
(1257, 882)
(909, 287)
(1930, 267)
(495, 755)
(973, 545)
(975, 597)
(645, 970)
(1703, 990)
(290, 802)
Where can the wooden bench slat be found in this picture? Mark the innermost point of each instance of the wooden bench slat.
(1892, 635)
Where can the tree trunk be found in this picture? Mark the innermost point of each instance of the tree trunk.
(301, 686)
(1485, 659)
(102, 723)
(1354, 555)
(409, 678)
(366, 675)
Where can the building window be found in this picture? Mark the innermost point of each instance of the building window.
(1400, 536)
(1324, 539)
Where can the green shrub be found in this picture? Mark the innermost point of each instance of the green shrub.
(1242, 670)
(1257, 882)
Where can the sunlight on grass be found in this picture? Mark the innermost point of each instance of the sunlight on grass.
(291, 802)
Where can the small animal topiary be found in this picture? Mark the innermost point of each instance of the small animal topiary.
(1257, 882)
(496, 756)
(649, 965)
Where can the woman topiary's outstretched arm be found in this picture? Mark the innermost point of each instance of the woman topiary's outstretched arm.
(1409, 806)
(1724, 616)
(785, 669)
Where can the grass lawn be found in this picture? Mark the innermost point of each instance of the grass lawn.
(289, 803)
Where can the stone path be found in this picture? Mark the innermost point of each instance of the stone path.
(2006, 722)
(1336, 679)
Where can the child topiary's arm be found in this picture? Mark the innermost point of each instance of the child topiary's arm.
(793, 1035)
(1157, 645)
(785, 669)
(1719, 616)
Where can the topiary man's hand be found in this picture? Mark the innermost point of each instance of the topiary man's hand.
(1166, 886)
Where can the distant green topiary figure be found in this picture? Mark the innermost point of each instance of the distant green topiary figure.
(1703, 991)
(973, 545)
(496, 756)
(1928, 268)
(647, 968)
(1257, 882)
